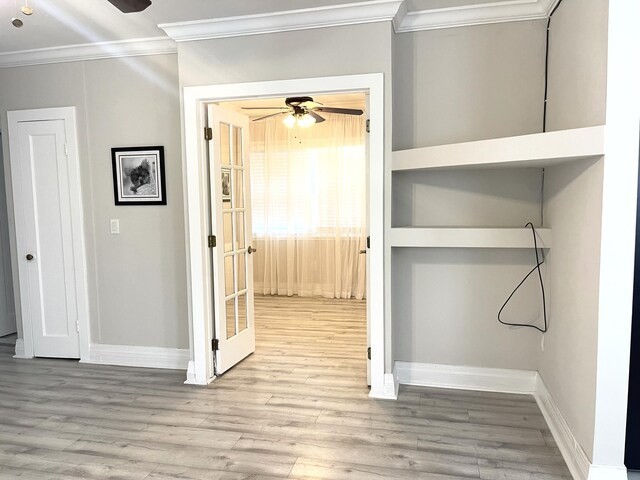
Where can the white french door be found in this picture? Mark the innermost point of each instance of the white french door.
(47, 235)
(230, 209)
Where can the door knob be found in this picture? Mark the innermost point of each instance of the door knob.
(251, 250)
(29, 257)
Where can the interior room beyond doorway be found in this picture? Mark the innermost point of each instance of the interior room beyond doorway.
(309, 222)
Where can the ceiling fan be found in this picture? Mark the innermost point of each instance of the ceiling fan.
(130, 6)
(303, 111)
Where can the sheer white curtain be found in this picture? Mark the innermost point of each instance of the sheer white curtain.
(308, 191)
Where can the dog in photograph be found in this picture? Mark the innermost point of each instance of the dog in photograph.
(142, 179)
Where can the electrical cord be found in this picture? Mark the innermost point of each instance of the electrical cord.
(539, 254)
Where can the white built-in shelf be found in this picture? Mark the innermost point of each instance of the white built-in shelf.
(536, 150)
(465, 237)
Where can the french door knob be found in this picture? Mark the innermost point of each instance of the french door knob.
(251, 250)
(29, 257)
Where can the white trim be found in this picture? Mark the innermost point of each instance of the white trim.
(191, 374)
(20, 349)
(466, 378)
(605, 472)
(463, 237)
(284, 21)
(532, 150)
(572, 452)
(194, 101)
(68, 114)
(389, 389)
(134, 356)
(89, 51)
(479, 14)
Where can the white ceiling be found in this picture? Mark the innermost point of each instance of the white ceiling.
(70, 22)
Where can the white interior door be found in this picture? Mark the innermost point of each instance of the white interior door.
(45, 240)
(234, 329)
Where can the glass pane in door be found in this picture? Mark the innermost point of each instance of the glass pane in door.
(231, 317)
(225, 150)
(227, 221)
(237, 142)
(242, 312)
(239, 190)
(242, 271)
(229, 288)
(240, 240)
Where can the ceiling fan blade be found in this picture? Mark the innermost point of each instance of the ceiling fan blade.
(311, 105)
(318, 118)
(344, 111)
(267, 116)
(130, 6)
(265, 108)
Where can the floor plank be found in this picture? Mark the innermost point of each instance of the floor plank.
(297, 408)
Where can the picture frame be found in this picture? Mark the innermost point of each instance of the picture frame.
(226, 185)
(139, 175)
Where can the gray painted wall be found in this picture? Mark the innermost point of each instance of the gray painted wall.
(471, 83)
(577, 65)
(137, 280)
(7, 304)
(470, 198)
(458, 85)
(573, 209)
(445, 301)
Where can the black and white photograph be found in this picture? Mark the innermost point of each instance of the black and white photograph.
(138, 175)
(226, 185)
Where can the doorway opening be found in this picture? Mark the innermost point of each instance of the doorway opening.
(196, 104)
(308, 172)
(8, 327)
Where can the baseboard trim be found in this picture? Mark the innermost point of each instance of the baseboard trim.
(605, 472)
(134, 356)
(20, 349)
(574, 455)
(389, 388)
(466, 378)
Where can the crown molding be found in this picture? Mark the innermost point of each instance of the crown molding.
(303, 19)
(89, 51)
(370, 11)
(493, 12)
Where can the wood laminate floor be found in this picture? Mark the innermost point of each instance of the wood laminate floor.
(297, 408)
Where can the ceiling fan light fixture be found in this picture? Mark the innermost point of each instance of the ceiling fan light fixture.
(306, 121)
(26, 9)
(289, 120)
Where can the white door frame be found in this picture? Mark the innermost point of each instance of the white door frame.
(68, 114)
(200, 370)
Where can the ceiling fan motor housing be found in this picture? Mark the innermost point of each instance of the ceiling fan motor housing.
(130, 6)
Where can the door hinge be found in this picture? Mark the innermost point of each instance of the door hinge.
(369, 242)
(369, 353)
(214, 344)
(66, 150)
(208, 133)
(368, 125)
(211, 240)
(78, 326)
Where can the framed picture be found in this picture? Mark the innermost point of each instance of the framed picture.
(226, 185)
(138, 176)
